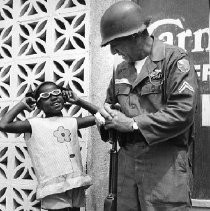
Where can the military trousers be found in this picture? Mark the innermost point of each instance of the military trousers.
(153, 178)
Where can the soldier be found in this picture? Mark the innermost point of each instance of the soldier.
(156, 88)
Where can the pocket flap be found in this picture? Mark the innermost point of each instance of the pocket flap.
(122, 89)
(151, 89)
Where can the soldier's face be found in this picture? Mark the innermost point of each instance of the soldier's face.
(127, 48)
(122, 48)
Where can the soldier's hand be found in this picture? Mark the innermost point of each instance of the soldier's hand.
(119, 122)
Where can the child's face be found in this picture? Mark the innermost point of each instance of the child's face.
(53, 104)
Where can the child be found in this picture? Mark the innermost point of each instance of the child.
(53, 145)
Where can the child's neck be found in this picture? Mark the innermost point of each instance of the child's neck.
(53, 115)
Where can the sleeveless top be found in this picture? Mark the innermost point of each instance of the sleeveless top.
(55, 153)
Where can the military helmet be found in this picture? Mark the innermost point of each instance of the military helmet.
(121, 19)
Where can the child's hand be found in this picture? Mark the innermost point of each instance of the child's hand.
(30, 103)
(100, 120)
(70, 97)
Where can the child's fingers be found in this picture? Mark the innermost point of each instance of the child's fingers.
(28, 107)
(99, 119)
(64, 95)
(31, 100)
(68, 96)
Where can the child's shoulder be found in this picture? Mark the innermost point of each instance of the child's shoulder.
(36, 120)
(69, 118)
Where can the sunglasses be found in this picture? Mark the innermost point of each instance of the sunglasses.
(46, 95)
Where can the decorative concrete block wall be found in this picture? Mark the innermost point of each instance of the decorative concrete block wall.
(39, 40)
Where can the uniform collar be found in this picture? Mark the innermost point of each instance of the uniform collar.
(157, 54)
(158, 50)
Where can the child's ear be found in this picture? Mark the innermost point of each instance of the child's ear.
(29, 94)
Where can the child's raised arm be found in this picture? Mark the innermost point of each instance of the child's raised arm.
(7, 123)
(72, 97)
(88, 106)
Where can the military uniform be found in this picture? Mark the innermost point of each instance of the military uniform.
(154, 172)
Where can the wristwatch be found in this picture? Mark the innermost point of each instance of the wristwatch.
(135, 126)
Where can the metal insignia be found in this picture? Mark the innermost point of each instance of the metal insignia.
(183, 65)
(155, 75)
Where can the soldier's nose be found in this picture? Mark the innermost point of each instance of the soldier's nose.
(113, 50)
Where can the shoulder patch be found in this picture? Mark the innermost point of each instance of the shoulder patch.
(183, 65)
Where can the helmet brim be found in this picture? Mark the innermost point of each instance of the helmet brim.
(125, 34)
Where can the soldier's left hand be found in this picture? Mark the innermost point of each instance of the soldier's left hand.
(119, 122)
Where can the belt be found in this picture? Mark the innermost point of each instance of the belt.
(131, 138)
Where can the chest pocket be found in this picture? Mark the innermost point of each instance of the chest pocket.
(151, 97)
(151, 89)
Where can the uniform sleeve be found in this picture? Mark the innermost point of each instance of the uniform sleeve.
(177, 115)
(105, 133)
(109, 93)
(109, 99)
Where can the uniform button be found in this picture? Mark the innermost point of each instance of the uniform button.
(133, 106)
